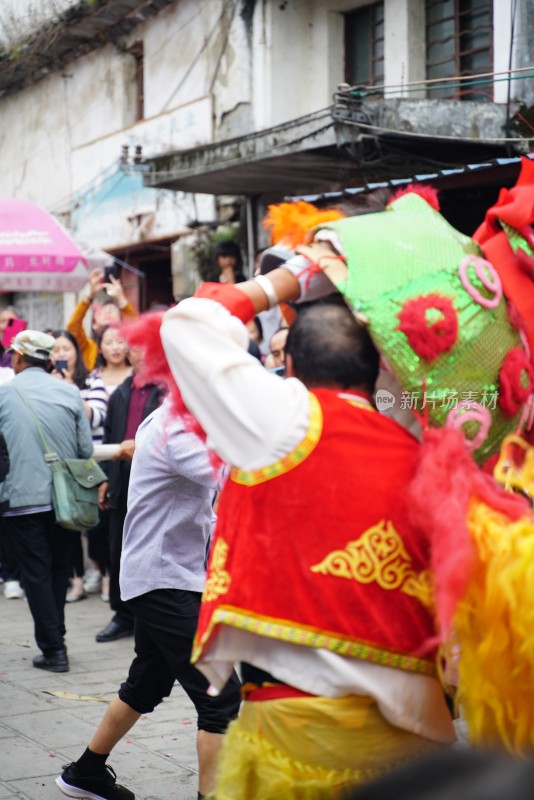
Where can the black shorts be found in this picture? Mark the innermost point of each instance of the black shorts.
(165, 624)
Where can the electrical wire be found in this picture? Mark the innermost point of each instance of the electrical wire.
(324, 113)
(226, 39)
(108, 171)
(195, 60)
(304, 137)
(429, 81)
(453, 82)
(82, 119)
(363, 92)
(434, 137)
(170, 174)
(90, 211)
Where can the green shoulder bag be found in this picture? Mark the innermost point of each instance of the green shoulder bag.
(75, 483)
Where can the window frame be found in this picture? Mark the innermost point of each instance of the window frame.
(374, 77)
(459, 56)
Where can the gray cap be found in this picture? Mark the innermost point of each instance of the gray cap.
(35, 344)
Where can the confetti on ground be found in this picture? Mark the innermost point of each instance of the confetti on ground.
(86, 698)
(19, 644)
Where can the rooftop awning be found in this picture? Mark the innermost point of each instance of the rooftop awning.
(319, 153)
(302, 153)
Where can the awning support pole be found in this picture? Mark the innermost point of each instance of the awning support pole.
(251, 204)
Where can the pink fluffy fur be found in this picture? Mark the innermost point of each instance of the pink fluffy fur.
(447, 478)
(144, 333)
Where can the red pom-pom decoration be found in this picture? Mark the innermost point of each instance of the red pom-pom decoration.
(516, 382)
(428, 193)
(429, 339)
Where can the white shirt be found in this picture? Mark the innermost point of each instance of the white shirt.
(253, 418)
(6, 375)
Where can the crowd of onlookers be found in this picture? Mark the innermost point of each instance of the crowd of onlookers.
(97, 363)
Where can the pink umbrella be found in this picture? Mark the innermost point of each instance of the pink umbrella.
(36, 254)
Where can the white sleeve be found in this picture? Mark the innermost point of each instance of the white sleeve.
(252, 418)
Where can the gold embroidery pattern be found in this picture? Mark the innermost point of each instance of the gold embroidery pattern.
(293, 459)
(378, 556)
(219, 580)
(306, 636)
(421, 587)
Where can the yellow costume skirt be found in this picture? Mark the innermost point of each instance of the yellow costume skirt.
(309, 748)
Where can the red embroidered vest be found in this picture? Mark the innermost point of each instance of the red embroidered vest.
(317, 549)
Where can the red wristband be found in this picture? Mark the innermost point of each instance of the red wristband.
(238, 303)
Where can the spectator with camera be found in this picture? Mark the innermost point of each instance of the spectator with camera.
(68, 365)
(112, 308)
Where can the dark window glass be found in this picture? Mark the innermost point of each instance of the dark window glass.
(436, 11)
(364, 46)
(459, 43)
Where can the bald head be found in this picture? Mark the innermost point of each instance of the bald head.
(329, 348)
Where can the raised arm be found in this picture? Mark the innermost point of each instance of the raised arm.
(252, 417)
(75, 324)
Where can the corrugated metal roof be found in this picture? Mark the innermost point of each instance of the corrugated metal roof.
(395, 183)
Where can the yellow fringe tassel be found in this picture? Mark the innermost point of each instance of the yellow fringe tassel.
(494, 625)
(309, 749)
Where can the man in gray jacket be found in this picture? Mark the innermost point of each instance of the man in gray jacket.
(39, 545)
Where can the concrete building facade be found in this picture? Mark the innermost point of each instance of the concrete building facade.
(127, 119)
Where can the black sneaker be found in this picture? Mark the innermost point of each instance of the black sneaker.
(102, 786)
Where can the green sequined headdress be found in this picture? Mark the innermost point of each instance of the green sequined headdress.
(437, 312)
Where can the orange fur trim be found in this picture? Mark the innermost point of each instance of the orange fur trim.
(289, 222)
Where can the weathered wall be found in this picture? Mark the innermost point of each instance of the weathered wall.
(299, 59)
(208, 77)
(59, 134)
(19, 17)
(42, 126)
(524, 54)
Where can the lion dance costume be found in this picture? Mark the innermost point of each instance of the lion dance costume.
(435, 569)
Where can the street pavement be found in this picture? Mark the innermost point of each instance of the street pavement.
(47, 719)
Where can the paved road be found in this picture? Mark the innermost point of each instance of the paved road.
(40, 731)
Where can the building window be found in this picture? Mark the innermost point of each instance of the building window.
(137, 51)
(459, 42)
(364, 46)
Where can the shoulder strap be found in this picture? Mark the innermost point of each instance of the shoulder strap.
(42, 439)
